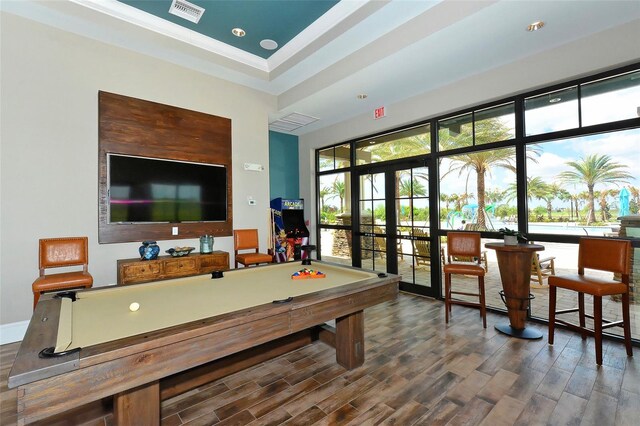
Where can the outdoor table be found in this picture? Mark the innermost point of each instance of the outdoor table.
(514, 262)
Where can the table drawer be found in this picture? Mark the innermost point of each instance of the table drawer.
(140, 270)
(181, 267)
(214, 263)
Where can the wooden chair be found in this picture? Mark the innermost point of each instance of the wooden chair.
(57, 253)
(604, 255)
(464, 245)
(421, 248)
(381, 243)
(541, 269)
(247, 239)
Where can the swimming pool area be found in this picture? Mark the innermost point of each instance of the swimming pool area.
(564, 228)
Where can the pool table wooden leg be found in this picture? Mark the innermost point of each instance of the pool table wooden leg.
(350, 340)
(138, 406)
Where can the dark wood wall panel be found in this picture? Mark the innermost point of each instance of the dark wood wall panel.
(143, 128)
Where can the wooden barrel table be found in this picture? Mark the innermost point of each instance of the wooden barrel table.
(515, 262)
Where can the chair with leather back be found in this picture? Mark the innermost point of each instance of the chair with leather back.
(58, 253)
(464, 245)
(247, 239)
(611, 255)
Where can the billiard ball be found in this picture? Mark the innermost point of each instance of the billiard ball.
(134, 306)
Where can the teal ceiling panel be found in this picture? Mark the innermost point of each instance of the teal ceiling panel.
(277, 20)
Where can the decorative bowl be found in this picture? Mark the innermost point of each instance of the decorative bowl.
(180, 251)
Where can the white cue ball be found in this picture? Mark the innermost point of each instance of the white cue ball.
(134, 306)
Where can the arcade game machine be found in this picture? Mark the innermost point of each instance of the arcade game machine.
(290, 231)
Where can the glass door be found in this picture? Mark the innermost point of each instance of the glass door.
(415, 254)
(394, 225)
(373, 229)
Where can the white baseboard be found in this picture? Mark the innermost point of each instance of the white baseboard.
(13, 332)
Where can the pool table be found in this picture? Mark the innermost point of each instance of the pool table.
(107, 349)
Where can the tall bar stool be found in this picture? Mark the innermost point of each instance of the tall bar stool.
(602, 254)
(464, 245)
(58, 253)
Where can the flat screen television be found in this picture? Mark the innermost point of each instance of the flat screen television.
(150, 190)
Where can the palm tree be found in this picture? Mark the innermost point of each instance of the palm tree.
(482, 162)
(324, 192)
(593, 170)
(444, 198)
(604, 205)
(635, 199)
(411, 189)
(455, 199)
(536, 188)
(565, 195)
(554, 191)
(338, 190)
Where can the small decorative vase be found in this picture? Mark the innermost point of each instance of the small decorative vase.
(148, 250)
(206, 244)
(510, 240)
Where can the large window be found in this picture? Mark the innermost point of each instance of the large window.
(611, 99)
(336, 157)
(335, 198)
(551, 112)
(478, 190)
(595, 102)
(557, 164)
(580, 186)
(407, 143)
(493, 124)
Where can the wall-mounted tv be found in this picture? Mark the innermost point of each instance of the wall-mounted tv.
(149, 190)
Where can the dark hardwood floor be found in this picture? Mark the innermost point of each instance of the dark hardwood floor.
(417, 371)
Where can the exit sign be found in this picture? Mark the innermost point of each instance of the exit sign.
(378, 113)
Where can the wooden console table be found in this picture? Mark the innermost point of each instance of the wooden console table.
(515, 272)
(133, 271)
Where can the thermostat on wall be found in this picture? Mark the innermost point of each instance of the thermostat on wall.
(253, 167)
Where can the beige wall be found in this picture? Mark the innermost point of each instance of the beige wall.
(599, 52)
(49, 146)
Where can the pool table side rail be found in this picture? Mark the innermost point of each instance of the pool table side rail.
(41, 333)
(184, 347)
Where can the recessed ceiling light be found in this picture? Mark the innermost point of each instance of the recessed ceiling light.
(238, 32)
(535, 26)
(554, 100)
(362, 96)
(268, 44)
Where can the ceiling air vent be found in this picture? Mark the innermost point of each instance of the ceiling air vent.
(291, 122)
(186, 10)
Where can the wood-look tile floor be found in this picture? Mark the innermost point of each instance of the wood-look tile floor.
(417, 371)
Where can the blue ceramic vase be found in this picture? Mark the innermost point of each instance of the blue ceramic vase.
(149, 250)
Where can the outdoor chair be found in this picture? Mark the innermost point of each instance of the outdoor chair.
(603, 254)
(421, 248)
(381, 243)
(541, 269)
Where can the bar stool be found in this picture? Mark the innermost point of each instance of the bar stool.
(603, 254)
(464, 245)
